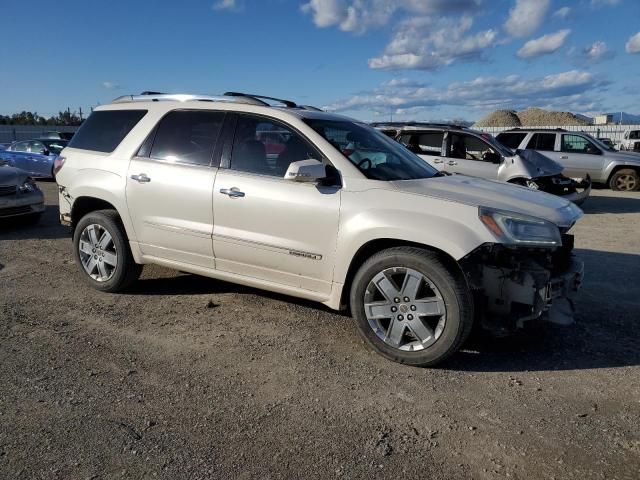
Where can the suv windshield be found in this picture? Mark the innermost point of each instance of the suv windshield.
(373, 153)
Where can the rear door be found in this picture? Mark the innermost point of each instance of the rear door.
(465, 156)
(267, 227)
(579, 156)
(427, 144)
(170, 187)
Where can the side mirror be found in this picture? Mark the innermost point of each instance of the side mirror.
(44, 151)
(306, 171)
(492, 157)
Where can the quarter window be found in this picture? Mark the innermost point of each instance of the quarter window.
(187, 136)
(105, 129)
(542, 141)
(265, 147)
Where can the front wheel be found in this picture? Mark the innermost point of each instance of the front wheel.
(625, 180)
(102, 252)
(411, 307)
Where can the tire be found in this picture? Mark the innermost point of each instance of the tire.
(625, 180)
(111, 265)
(443, 289)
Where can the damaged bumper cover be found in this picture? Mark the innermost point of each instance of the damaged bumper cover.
(576, 190)
(514, 286)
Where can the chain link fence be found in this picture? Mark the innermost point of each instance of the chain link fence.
(12, 133)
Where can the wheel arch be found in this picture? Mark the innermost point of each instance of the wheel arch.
(617, 168)
(86, 204)
(374, 246)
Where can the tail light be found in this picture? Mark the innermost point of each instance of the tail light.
(57, 164)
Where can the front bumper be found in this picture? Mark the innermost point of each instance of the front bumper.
(581, 190)
(514, 287)
(21, 204)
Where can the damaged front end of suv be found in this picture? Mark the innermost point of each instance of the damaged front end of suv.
(531, 275)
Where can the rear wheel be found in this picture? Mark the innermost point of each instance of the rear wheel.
(102, 252)
(625, 180)
(410, 307)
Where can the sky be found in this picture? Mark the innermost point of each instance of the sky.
(370, 59)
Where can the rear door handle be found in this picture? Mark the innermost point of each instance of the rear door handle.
(141, 178)
(564, 157)
(438, 160)
(451, 162)
(232, 192)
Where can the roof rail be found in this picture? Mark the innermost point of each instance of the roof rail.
(533, 129)
(286, 103)
(311, 107)
(181, 97)
(417, 124)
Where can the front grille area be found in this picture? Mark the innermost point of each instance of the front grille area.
(7, 212)
(7, 190)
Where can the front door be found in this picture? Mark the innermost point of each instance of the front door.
(427, 145)
(170, 187)
(579, 156)
(267, 227)
(465, 155)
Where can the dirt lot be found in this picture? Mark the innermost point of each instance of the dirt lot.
(187, 377)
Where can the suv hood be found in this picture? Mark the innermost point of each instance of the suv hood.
(498, 195)
(633, 157)
(537, 164)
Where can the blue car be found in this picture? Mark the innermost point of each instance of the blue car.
(35, 157)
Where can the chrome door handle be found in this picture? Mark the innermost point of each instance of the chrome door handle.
(438, 160)
(142, 178)
(232, 192)
(564, 157)
(451, 162)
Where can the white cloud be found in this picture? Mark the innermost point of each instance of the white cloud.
(226, 5)
(633, 44)
(571, 90)
(562, 13)
(544, 45)
(597, 51)
(525, 17)
(427, 43)
(360, 15)
(110, 85)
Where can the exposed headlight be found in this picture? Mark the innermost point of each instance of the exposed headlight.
(28, 186)
(516, 229)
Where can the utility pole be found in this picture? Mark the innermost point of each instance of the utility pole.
(80, 112)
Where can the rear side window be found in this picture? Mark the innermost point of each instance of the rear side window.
(542, 141)
(429, 143)
(104, 130)
(187, 136)
(511, 140)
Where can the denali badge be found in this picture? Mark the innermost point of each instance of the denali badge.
(311, 256)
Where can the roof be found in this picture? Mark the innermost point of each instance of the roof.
(229, 98)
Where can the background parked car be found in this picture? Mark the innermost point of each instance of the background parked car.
(579, 153)
(19, 195)
(58, 135)
(631, 141)
(458, 149)
(36, 157)
(608, 142)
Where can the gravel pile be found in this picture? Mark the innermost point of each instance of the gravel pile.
(500, 118)
(531, 117)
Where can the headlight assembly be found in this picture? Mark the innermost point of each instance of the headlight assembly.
(517, 229)
(28, 186)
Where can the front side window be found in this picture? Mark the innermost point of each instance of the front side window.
(36, 147)
(542, 141)
(428, 143)
(105, 129)
(55, 146)
(468, 147)
(266, 147)
(634, 134)
(578, 144)
(377, 156)
(187, 136)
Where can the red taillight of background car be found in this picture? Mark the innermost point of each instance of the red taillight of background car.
(57, 164)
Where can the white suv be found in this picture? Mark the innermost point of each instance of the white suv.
(316, 206)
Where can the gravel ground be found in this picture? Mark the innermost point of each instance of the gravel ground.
(188, 377)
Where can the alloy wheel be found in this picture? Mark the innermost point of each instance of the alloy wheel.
(405, 309)
(98, 253)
